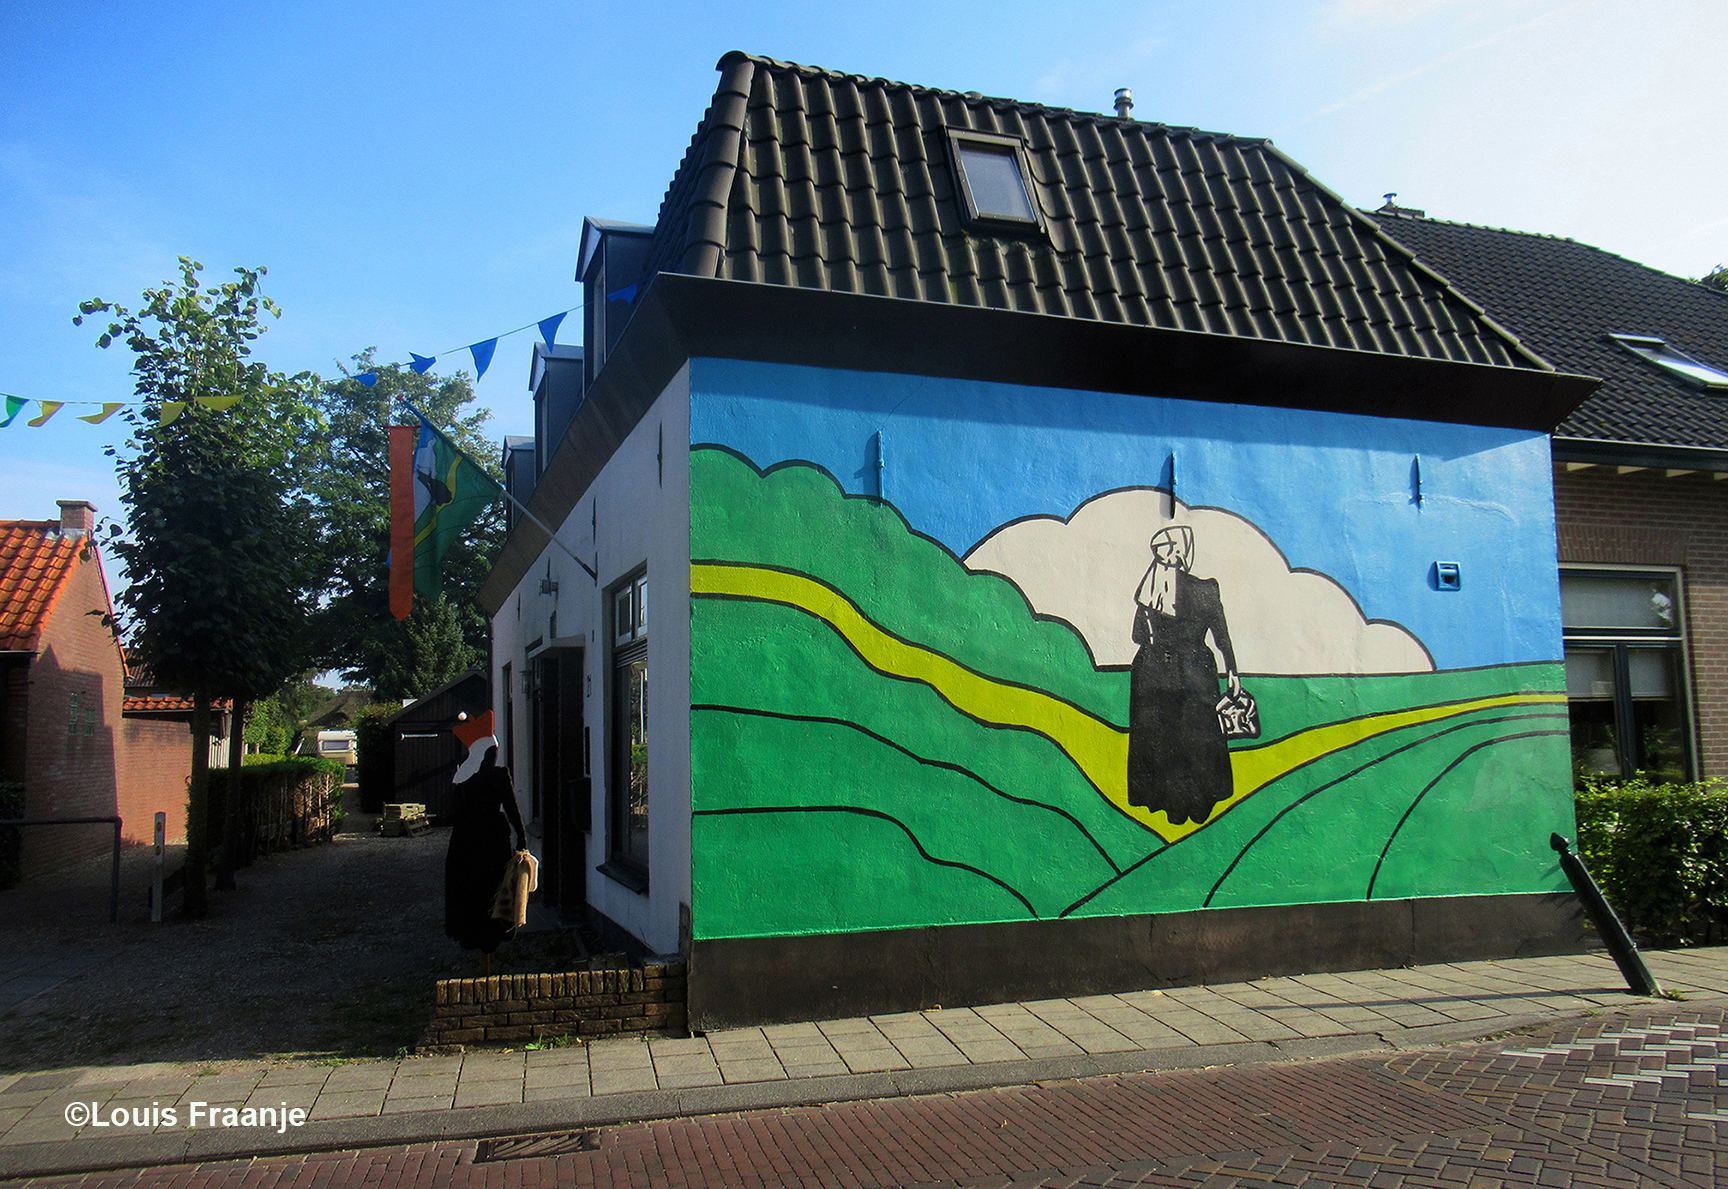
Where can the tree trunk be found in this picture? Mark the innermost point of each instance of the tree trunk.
(232, 811)
(194, 900)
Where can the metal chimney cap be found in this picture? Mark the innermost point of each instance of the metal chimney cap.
(1124, 102)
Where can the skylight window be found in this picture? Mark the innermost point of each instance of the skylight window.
(1658, 351)
(992, 171)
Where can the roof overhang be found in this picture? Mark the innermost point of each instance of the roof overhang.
(683, 317)
(1641, 455)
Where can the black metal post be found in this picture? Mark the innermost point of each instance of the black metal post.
(114, 887)
(1626, 956)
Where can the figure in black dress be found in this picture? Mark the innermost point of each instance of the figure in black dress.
(480, 848)
(1178, 758)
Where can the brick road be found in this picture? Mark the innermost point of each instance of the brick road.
(1627, 1097)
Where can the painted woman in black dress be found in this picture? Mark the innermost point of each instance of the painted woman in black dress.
(480, 848)
(1178, 758)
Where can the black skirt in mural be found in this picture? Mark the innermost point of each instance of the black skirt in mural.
(1178, 758)
(474, 865)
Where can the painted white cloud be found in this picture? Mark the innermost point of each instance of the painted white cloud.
(1085, 571)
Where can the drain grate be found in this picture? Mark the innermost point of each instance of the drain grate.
(518, 1147)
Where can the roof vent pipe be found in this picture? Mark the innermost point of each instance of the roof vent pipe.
(1124, 102)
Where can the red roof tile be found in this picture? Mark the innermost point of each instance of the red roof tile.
(35, 562)
(145, 703)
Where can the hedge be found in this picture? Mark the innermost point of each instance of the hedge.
(1660, 853)
(375, 756)
(286, 801)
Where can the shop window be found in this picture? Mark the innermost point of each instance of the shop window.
(1626, 673)
(627, 794)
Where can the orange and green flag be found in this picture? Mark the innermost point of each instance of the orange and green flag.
(436, 491)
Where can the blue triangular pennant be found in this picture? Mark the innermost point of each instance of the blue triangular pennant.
(549, 328)
(421, 362)
(625, 295)
(367, 378)
(482, 353)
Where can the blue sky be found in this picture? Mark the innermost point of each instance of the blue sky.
(415, 176)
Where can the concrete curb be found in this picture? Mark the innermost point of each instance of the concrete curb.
(61, 1157)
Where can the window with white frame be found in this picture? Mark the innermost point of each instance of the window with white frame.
(1626, 672)
(627, 794)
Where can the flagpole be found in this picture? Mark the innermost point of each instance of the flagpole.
(504, 491)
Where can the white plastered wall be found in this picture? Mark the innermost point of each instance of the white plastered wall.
(636, 511)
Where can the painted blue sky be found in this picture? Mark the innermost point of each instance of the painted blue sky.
(414, 176)
(1334, 493)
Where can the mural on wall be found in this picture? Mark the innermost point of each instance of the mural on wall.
(1139, 706)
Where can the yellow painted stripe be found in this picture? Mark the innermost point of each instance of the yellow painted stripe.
(1098, 748)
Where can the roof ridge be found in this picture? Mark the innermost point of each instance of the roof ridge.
(996, 101)
(1547, 235)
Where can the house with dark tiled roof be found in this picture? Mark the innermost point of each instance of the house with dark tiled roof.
(1087, 553)
(79, 742)
(1639, 484)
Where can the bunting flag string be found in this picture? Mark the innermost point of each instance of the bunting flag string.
(481, 352)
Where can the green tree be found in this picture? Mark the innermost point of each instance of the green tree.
(427, 652)
(353, 630)
(278, 723)
(219, 549)
(1716, 278)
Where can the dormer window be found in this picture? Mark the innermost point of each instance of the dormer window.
(993, 174)
(1658, 351)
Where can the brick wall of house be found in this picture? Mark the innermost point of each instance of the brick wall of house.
(513, 1008)
(1647, 518)
(155, 762)
(70, 774)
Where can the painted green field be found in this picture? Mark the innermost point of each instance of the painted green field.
(882, 739)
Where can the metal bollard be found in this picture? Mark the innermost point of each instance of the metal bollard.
(156, 879)
(1626, 956)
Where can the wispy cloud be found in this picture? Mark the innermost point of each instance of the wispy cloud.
(1446, 59)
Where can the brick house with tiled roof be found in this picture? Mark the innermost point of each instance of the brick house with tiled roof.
(1639, 467)
(1088, 554)
(68, 731)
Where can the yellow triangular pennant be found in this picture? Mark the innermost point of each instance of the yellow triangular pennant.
(108, 410)
(219, 403)
(49, 408)
(170, 410)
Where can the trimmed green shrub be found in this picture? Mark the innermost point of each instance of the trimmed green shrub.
(1660, 852)
(375, 756)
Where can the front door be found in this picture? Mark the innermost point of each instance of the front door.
(561, 797)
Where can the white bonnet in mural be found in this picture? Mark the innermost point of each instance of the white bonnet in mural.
(1085, 570)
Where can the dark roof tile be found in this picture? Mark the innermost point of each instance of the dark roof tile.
(813, 178)
(1563, 299)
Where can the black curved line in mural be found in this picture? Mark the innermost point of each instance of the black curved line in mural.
(879, 626)
(1031, 611)
(1126, 871)
(1354, 772)
(853, 809)
(995, 726)
(944, 764)
(1282, 556)
(1392, 837)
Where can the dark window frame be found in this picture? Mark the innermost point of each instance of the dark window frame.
(960, 139)
(1619, 642)
(627, 645)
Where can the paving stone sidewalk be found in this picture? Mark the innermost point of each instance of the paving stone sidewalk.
(432, 1098)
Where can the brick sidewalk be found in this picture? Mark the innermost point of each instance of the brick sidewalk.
(434, 1098)
(1631, 1096)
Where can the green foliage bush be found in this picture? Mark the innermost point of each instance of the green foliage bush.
(1660, 852)
(375, 756)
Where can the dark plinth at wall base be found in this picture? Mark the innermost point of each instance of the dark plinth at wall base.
(739, 982)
